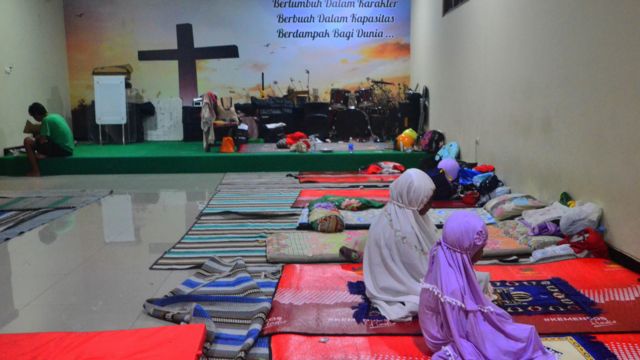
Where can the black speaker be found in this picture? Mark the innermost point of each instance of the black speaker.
(314, 108)
(410, 114)
(191, 128)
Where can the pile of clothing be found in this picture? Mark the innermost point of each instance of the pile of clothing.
(474, 184)
(573, 223)
(296, 142)
(565, 227)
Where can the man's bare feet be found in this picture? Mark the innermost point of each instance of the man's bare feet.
(33, 173)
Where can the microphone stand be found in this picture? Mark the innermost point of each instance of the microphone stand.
(308, 89)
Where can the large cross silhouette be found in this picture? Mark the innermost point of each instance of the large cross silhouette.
(187, 54)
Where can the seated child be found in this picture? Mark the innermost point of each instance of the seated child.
(457, 320)
(445, 176)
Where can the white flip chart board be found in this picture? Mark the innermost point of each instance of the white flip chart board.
(111, 100)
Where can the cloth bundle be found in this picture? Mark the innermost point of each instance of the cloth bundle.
(485, 168)
(294, 138)
(325, 217)
(384, 167)
(301, 146)
(580, 217)
(588, 240)
(347, 203)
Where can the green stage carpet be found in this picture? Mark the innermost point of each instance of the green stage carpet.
(188, 157)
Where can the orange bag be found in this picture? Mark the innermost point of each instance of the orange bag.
(228, 145)
(404, 142)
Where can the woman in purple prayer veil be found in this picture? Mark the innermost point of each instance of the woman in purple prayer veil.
(457, 320)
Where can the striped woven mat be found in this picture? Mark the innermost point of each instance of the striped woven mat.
(237, 220)
(225, 236)
(235, 224)
(22, 211)
(267, 203)
(61, 199)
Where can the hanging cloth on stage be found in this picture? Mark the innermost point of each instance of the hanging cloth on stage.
(207, 117)
(226, 112)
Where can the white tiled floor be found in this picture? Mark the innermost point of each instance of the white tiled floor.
(89, 270)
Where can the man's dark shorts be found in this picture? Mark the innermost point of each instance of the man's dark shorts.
(51, 149)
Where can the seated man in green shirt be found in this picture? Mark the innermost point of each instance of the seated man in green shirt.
(55, 138)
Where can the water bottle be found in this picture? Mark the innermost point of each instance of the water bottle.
(350, 146)
(312, 139)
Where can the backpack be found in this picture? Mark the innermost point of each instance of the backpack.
(489, 184)
(449, 151)
(226, 113)
(432, 141)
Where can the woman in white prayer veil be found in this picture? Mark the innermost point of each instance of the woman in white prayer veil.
(397, 252)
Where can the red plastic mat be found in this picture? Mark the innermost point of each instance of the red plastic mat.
(448, 204)
(308, 195)
(344, 177)
(168, 342)
(314, 299)
(382, 195)
(625, 346)
(290, 347)
(615, 290)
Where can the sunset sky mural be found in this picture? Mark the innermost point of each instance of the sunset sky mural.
(340, 44)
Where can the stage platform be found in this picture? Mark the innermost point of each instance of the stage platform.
(167, 157)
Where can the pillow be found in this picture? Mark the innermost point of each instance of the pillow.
(515, 230)
(325, 217)
(550, 213)
(512, 205)
(541, 242)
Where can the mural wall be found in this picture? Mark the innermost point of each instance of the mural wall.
(184, 48)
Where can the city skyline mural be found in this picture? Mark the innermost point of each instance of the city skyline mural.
(185, 48)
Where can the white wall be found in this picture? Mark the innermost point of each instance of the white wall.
(552, 90)
(32, 40)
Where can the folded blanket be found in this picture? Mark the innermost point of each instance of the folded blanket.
(231, 299)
